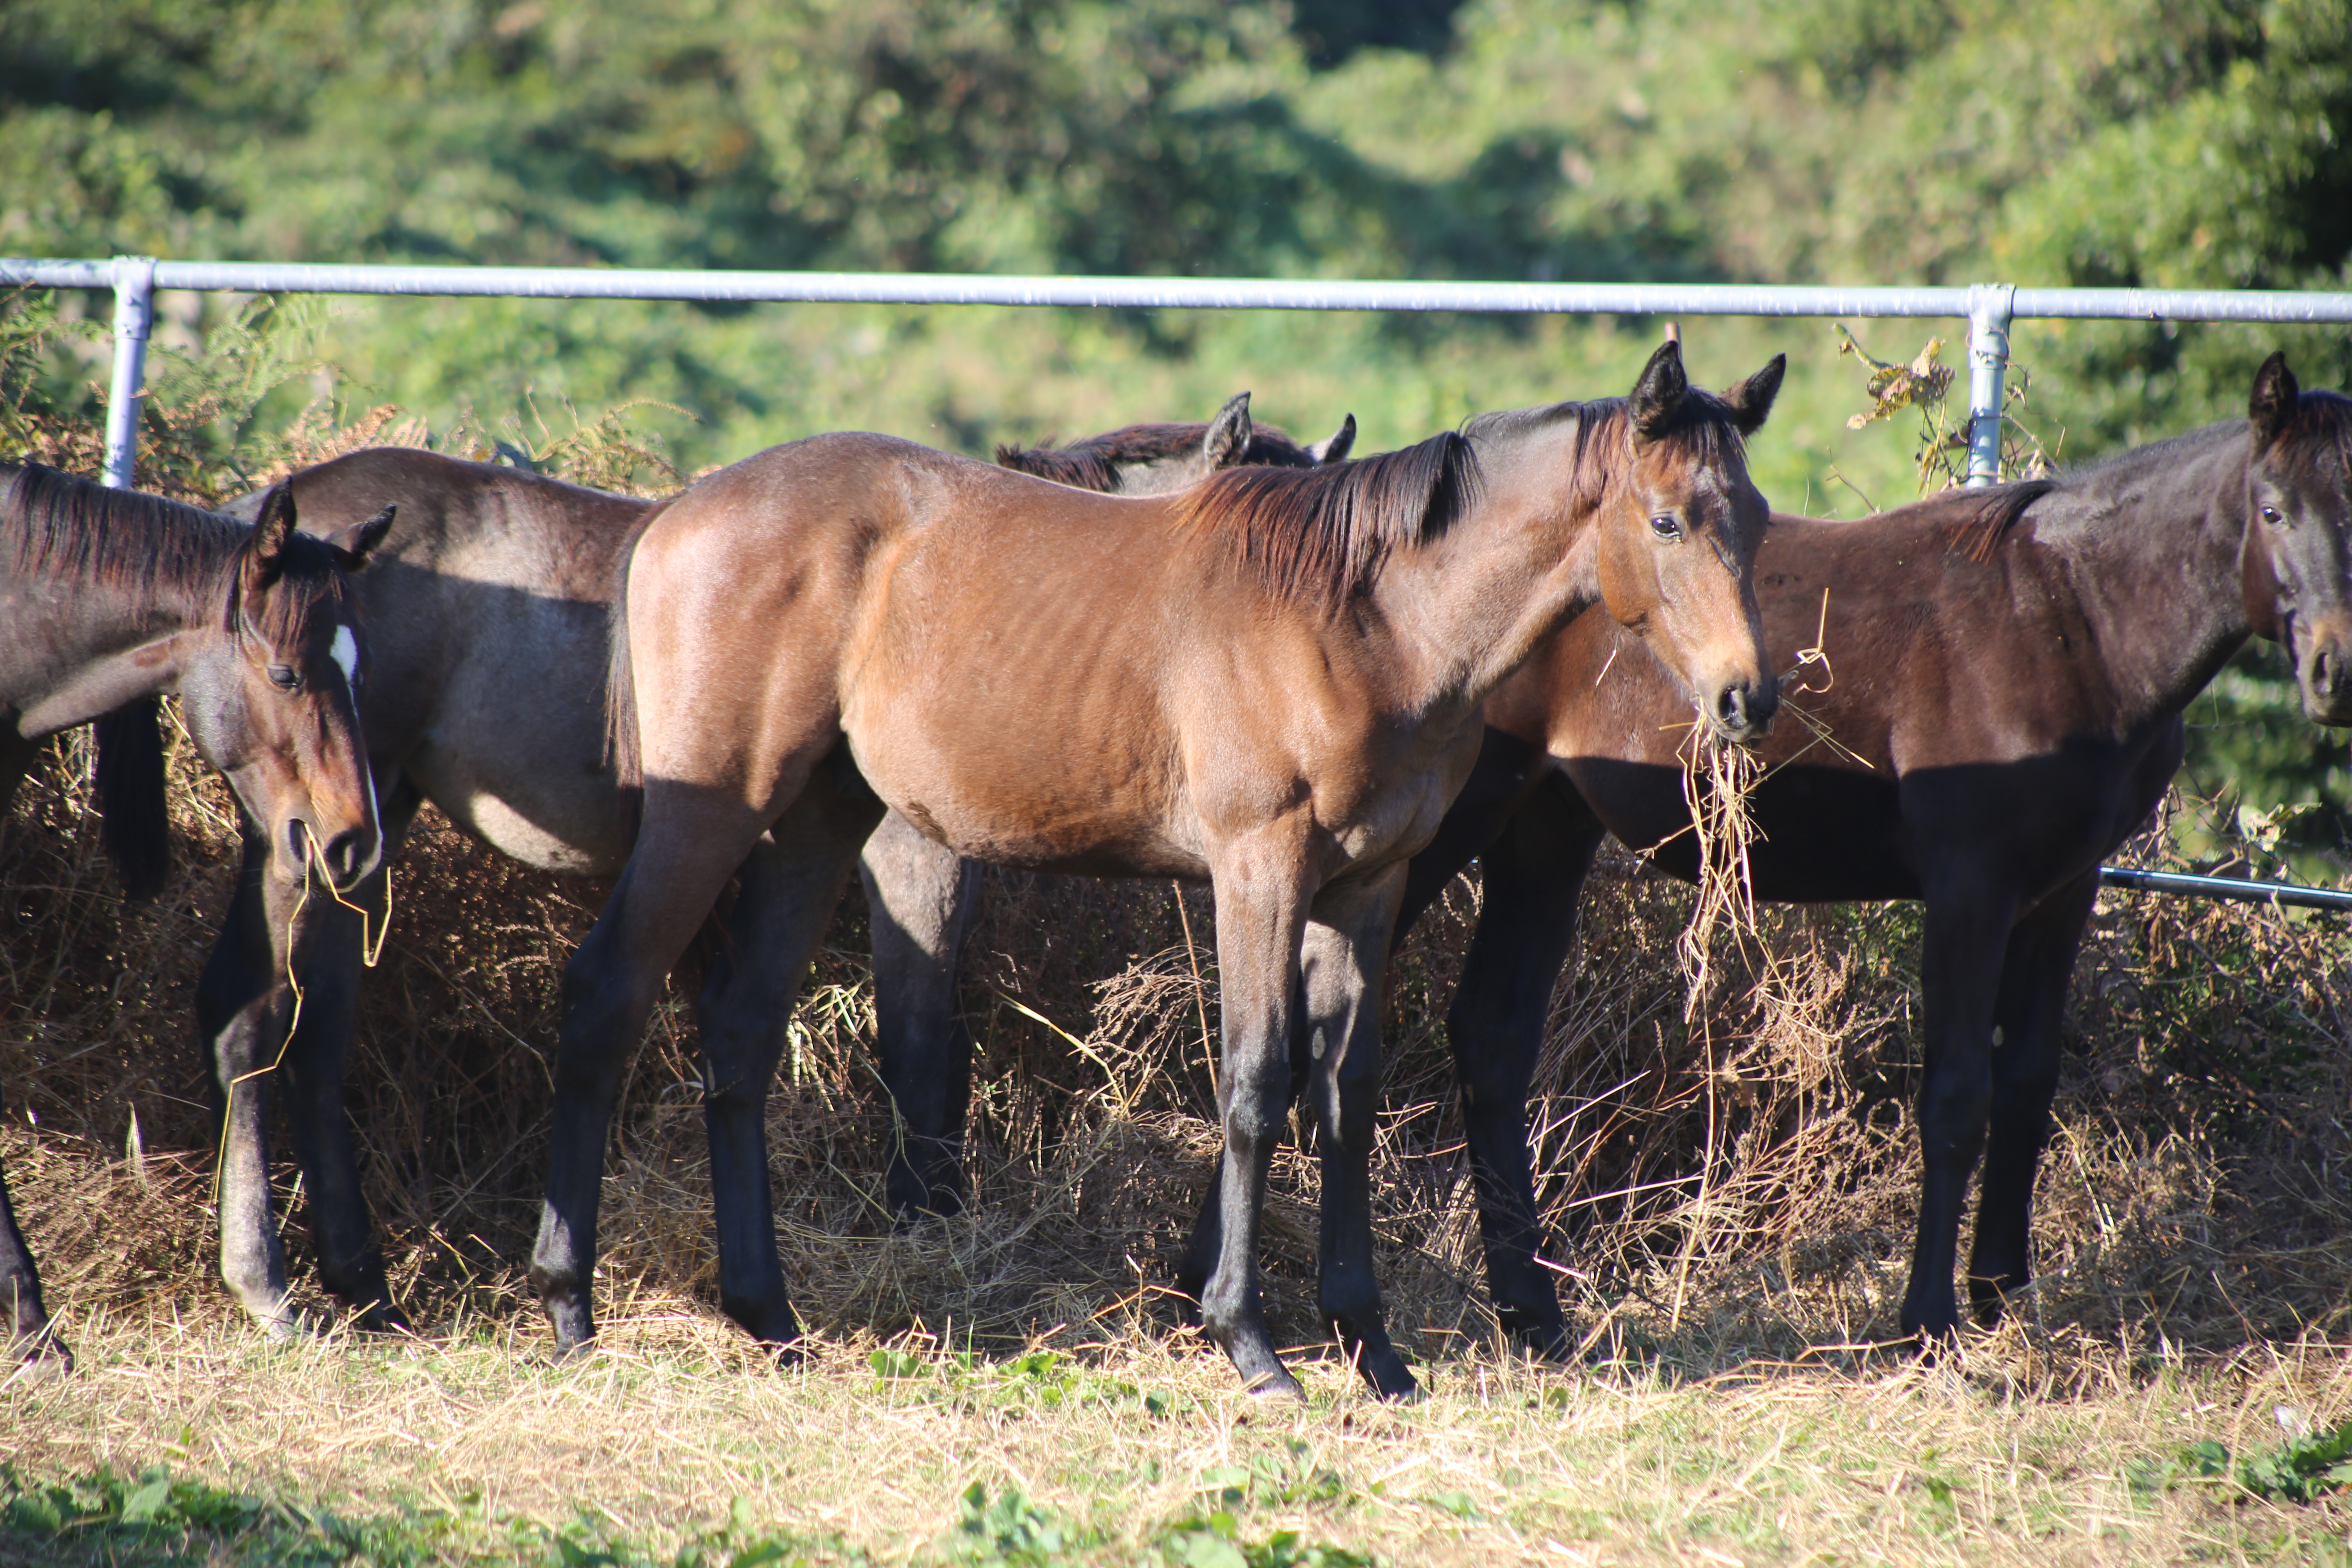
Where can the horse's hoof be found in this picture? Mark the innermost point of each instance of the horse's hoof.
(44, 1362)
(287, 1325)
(1276, 1385)
(1545, 1341)
(1390, 1378)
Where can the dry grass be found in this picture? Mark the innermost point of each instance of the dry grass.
(2013, 1455)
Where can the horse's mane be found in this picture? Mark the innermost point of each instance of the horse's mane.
(1702, 422)
(2321, 418)
(2322, 421)
(1093, 463)
(150, 548)
(1983, 516)
(1319, 534)
(143, 544)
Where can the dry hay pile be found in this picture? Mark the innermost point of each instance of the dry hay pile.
(1738, 1182)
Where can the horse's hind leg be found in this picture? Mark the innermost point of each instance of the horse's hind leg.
(2029, 1016)
(692, 838)
(243, 1011)
(1534, 875)
(790, 882)
(924, 898)
(351, 1264)
(1341, 957)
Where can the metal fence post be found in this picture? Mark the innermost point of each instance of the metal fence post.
(1989, 312)
(134, 318)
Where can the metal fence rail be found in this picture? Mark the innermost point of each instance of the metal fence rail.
(1988, 308)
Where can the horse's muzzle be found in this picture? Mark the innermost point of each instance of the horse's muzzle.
(346, 859)
(2326, 679)
(1742, 710)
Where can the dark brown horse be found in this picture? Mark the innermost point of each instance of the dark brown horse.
(107, 596)
(1272, 679)
(487, 611)
(2009, 671)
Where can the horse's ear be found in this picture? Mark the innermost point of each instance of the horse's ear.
(1751, 400)
(273, 530)
(1229, 433)
(351, 544)
(1658, 394)
(2272, 407)
(1337, 445)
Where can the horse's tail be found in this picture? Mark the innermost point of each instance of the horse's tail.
(134, 821)
(622, 754)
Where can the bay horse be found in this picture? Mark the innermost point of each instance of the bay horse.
(2010, 666)
(109, 596)
(1272, 679)
(487, 612)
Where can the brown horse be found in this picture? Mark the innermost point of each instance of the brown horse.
(107, 596)
(488, 611)
(2009, 668)
(1272, 679)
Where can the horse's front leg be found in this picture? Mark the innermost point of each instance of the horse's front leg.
(1344, 949)
(32, 1344)
(245, 1013)
(350, 1263)
(924, 898)
(2028, 1015)
(690, 842)
(1968, 930)
(1263, 888)
(790, 882)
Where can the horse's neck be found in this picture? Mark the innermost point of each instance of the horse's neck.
(1473, 604)
(78, 650)
(2150, 543)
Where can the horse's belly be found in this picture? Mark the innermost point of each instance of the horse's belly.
(584, 830)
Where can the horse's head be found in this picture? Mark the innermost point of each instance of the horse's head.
(274, 703)
(2295, 564)
(1159, 459)
(1678, 546)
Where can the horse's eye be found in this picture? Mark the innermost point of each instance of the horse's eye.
(2271, 515)
(284, 677)
(1666, 527)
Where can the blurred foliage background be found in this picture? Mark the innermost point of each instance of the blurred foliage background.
(2064, 141)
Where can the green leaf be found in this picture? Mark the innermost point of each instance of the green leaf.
(145, 1505)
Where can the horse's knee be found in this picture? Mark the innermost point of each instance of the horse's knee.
(1952, 1123)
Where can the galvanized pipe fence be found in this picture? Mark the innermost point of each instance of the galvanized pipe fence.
(1989, 309)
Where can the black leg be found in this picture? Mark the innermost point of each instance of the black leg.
(1342, 953)
(1533, 877)
(350, 1263)
(688, 847)
(924, 898)
(2029, 1016)
(244, 1012)
(790, 882)
(1967, 931)
(33, 1345)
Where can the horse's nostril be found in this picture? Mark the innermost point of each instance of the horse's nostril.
(1741, 709)
(343, 854)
